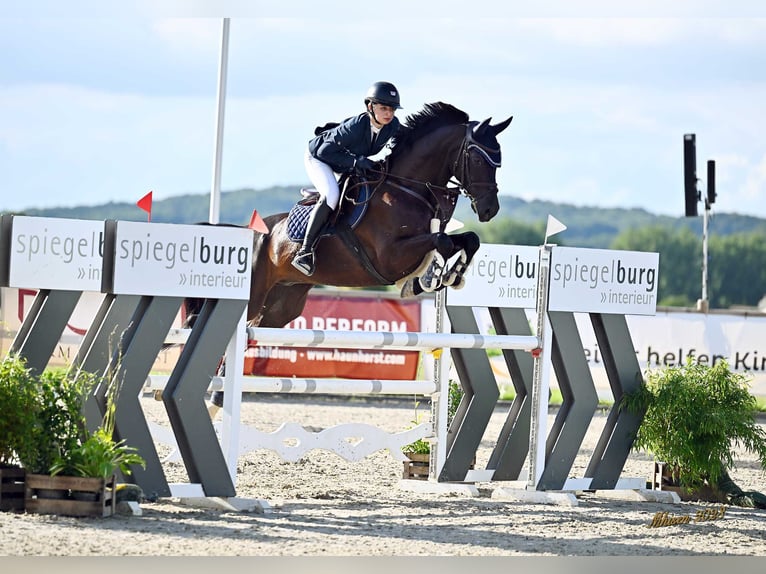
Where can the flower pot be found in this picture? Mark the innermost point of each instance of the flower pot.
(662, 479)
(65, 495)
(418, 466)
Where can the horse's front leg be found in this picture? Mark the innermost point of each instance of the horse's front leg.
(467, 245)
(440, 250)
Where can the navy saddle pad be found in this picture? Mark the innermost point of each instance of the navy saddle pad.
(350, 215)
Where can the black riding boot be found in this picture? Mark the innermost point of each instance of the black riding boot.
(304, 259)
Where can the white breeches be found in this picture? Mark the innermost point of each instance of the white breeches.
(323, 178)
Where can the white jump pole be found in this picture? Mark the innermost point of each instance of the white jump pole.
(538, 428)
(440, 399)
(399, 340)
(330, 386)
(541, 373)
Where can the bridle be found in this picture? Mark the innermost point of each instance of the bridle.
(463, 159)
(460, 178)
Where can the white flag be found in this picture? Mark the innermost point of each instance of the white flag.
(553, 227)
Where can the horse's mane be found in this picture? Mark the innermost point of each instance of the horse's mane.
(430, 118)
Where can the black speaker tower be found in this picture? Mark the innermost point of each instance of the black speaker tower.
(690, 175)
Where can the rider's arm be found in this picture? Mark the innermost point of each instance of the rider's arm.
(339, 147)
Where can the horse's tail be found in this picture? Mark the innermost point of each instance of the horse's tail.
(190, 311)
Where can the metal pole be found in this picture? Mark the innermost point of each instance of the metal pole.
(704, 252)
(702, 304)
(215, 192)
(538, 428)
(440, 399)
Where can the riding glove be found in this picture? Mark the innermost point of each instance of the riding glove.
(363, 163)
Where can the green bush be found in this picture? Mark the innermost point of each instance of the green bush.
(422, 446)
(695, 417)
(18, 388)
(43, 427)
(59, 423)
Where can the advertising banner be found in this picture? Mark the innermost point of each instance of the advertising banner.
(339, 313)
(603, 281)
(671, 338)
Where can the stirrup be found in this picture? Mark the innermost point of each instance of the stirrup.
(304, 262)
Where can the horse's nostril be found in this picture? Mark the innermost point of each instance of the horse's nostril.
(489, 212)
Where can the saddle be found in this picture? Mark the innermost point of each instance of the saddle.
(355, 197)
(351, 208)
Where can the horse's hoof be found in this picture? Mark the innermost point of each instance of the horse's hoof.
(216, 398)
(408, 289)
(430, 284)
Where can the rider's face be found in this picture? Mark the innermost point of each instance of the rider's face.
(383, 113)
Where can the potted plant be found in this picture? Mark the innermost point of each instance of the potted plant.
(695, 416)
(17, 399)
(60, 455)
(97, 454)
(419, 452)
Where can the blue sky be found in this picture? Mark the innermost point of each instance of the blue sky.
(98, 105)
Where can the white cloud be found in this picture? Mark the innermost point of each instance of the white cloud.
(607, 31)
(755, 182)
(189, 35)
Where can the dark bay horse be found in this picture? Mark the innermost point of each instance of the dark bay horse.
(402, 237)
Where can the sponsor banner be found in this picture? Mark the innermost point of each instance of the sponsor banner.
(182, 260)
(52, 253)
(339, 313)
(499, 276)
(603, 281)
(670, 338)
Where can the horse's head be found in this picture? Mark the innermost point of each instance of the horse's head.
(476, 165)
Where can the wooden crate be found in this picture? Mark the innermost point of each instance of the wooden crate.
(661, 480)
(12, 488)
(69, 495)
(417, 466)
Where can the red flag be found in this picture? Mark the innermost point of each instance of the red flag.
(145, 203)
(257, 224)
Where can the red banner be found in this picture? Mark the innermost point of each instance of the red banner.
(338, 313)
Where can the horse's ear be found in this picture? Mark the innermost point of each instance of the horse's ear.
(497, 128)
(477, 131)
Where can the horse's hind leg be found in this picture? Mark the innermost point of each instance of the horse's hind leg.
(283, 304)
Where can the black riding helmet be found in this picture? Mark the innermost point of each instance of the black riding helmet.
(383, 93)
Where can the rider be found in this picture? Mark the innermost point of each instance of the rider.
(343, 149)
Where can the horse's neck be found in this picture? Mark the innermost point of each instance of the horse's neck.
(426, 170)
(432, 158)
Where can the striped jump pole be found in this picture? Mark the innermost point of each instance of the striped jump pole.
(389, 340)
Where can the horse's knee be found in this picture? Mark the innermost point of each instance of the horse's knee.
(444, 245)
(471, 243)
